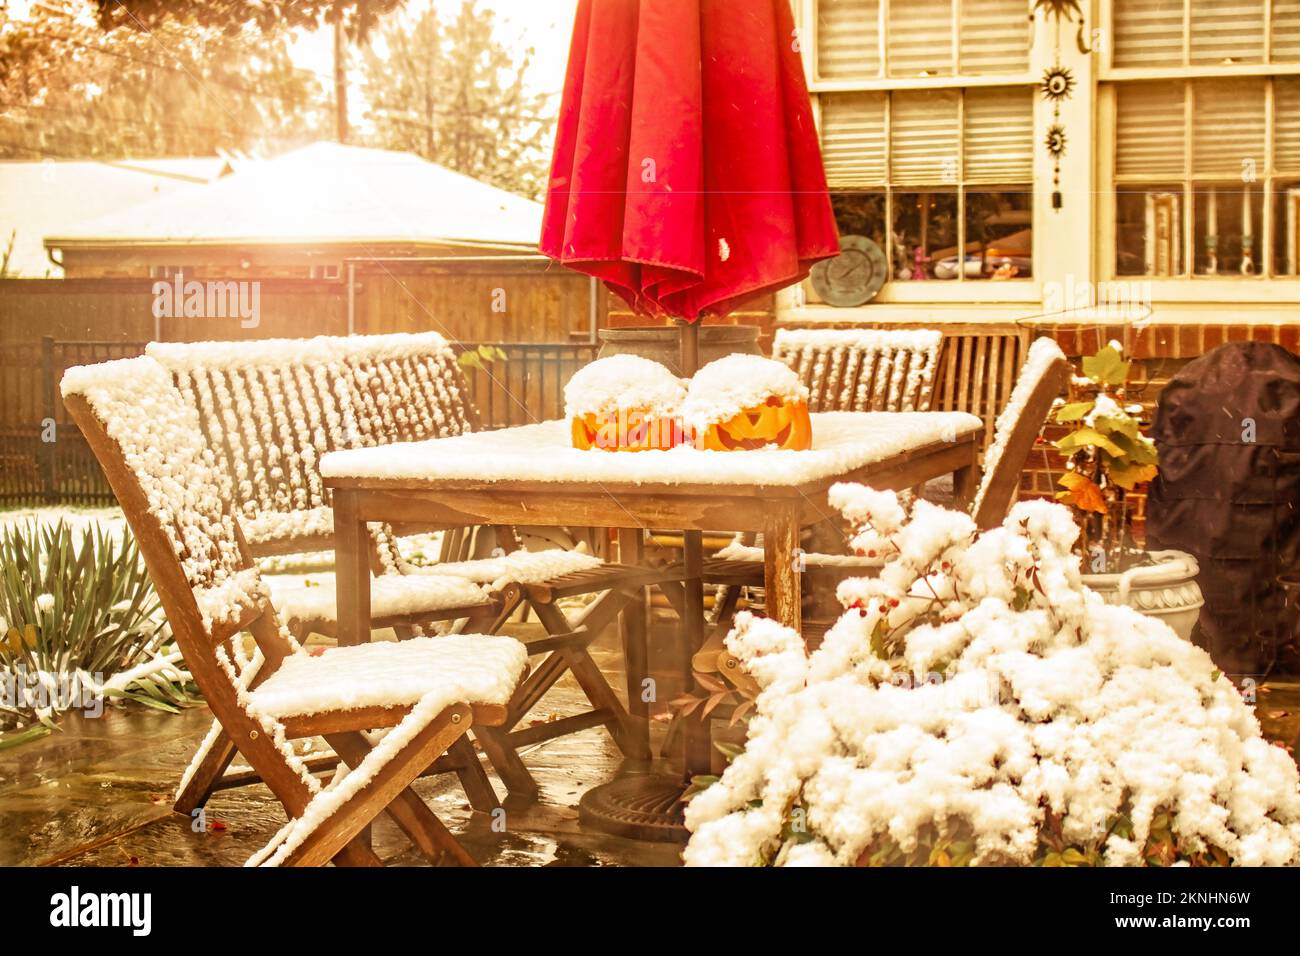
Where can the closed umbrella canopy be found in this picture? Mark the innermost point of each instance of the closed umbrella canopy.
(687, 173)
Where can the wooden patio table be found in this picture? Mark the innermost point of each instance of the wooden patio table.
(532, 475)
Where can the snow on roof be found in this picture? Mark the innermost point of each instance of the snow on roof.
(842, 442)
(327, 193)
(39, 199)
(727, 386)
(624, 382)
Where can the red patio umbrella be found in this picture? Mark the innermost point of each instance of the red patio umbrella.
(687, 173)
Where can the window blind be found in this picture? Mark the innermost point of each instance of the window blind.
(1227, 31)
(1149, 134)
(925, 139)
(1286, 31)
(848, 38)
(853, 139)
(920, 37)
(1148, 32)
(1286, 124)
(993, 36)
(999, 135)
(1228, 127)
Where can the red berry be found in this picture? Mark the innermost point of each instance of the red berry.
(871, 553)
(893, 602)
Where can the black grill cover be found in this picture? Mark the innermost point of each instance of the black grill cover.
(1232, 502)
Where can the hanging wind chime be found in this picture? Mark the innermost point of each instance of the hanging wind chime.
(1058, 84)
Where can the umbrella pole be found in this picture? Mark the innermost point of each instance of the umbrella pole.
(650, 806)
(689, 345)
(696, 744)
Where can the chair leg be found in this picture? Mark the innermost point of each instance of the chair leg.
(594, 685)
(199, 787)
(473, 778)
(520, 783)
(362, 807)
(407, 810)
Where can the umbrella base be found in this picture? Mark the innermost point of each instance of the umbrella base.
(642, 807)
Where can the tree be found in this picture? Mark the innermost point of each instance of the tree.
(349, 18)
(452, 92)
(71, 90)
(271, 16)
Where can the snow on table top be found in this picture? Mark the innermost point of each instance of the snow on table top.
(842, 442)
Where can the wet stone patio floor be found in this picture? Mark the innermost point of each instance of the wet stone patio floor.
(99, 792)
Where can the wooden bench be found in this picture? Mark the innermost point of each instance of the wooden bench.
(270, 409)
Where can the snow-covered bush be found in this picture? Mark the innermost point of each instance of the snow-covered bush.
(976, 704)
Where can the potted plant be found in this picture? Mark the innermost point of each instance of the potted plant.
(1107, 458)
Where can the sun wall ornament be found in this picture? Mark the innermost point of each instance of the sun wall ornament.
(1058, 84)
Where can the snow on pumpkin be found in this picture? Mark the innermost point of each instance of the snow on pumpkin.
(976, 704)
(744, 402)
(624, 403)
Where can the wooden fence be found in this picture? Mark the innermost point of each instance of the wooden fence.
(45, 460)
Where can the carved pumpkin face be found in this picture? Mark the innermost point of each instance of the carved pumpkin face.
(624, 403)
(776, 422)
(627, 431)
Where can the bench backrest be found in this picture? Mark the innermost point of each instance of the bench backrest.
(977, 370)
(269, 409)
(862, 370)
(976, 367)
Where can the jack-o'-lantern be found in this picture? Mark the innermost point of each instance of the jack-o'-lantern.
(624, 403)
(745, 402)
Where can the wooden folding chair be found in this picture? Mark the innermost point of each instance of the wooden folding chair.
(178, 506)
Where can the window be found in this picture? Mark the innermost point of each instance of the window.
(1199, 191)
(869, 39)
(949, 170)
(1156, 33)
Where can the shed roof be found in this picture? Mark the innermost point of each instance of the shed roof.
(325, 193)
(48, 197)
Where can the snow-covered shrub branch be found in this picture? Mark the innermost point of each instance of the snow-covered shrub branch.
(976, 704)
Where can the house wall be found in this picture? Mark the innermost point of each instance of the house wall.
(1074, 246)
(1075, 293)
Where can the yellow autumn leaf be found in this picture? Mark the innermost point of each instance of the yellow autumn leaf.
(1081, 492)
(1129, 476)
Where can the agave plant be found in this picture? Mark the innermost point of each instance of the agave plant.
(80, 621)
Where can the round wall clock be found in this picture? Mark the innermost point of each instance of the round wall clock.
(854, 276)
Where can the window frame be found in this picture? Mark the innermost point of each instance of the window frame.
(959, 289)
(1268, 179)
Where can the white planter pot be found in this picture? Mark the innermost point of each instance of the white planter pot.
(1166, 590)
